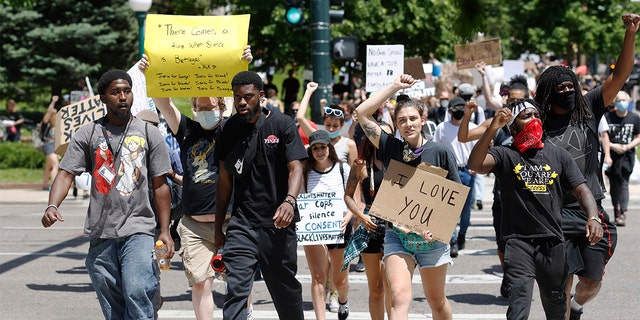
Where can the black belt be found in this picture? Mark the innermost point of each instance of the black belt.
(462, 167)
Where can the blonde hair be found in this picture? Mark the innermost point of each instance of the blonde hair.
(220, 100)
(137, 139)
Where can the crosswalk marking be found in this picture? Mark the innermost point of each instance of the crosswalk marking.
(259, 314)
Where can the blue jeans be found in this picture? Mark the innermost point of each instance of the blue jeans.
(124, 275)
(465, 217)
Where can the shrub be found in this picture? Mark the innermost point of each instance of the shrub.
(20, 155)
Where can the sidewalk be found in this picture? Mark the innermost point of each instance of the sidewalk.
(28, 193)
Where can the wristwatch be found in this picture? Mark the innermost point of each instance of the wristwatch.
(596, 218)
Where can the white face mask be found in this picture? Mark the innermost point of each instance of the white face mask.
(208, 119)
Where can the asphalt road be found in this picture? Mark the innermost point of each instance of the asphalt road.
(42, 273)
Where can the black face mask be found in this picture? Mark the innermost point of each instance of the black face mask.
(565, 100)
(457, 114)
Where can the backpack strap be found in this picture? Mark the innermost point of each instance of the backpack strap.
(344, 185)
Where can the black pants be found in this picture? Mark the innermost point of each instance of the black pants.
(276, 251)
(540, 260)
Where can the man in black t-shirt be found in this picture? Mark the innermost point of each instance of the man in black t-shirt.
(570, 121)
(260, 154)
(533, 177)
(624, 133)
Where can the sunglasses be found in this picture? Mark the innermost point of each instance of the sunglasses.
(335, 112)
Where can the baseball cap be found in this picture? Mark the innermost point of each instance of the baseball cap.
(319, 136)
(466, 89)
(456, 104)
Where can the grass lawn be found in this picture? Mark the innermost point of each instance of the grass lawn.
(20, 175)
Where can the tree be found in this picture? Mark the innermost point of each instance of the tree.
(55, 43)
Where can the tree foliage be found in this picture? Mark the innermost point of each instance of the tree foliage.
(54, 43)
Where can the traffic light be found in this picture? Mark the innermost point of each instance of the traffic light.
(294, 12)
(336, 11)
(344, 48)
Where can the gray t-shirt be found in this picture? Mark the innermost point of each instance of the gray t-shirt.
(122, 167)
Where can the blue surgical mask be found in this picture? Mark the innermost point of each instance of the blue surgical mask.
(208, 119)
(622, 105)
(333, 135)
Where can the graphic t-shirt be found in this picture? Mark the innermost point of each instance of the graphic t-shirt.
(533, 185)
(122, 160)
(199, 166)
(581, 140)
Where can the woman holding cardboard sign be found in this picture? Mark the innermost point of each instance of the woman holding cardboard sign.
(404, 250)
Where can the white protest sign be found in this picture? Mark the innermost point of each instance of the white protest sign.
(384, 64)
(321, 215)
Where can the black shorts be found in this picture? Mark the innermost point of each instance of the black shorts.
(375, 244)
(589, 261)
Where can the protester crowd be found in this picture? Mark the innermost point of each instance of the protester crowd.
(242, 177)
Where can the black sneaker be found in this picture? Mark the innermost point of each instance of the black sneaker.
(454, 250)
(575, 315)
(461, 241)
(479, 204)
(343, 311)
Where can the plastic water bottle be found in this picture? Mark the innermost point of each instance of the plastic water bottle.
(605, 166)
(161, 254)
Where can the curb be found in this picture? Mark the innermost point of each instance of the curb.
(21, 185)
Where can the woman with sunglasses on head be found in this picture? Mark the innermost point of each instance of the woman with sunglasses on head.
(401, 257)
(333, 121)
(324, 172)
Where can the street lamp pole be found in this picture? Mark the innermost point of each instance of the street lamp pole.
(140, 7)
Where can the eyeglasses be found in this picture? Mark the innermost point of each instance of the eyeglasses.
(335, 112)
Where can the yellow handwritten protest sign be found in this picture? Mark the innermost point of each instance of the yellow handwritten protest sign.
(70, 118)
(194, 56)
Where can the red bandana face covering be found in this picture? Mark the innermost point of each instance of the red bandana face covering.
(530, 137)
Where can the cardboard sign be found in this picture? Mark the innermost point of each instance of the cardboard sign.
(489, 51)
(194, 56)
(384, 64)
(420, 198)
(321, 215)
(70, 118)
(413, 67)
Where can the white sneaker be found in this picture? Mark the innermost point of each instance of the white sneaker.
(333, 301)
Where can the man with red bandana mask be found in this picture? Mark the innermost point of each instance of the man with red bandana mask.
(533, 176)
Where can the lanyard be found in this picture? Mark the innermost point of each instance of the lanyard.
(106, 138)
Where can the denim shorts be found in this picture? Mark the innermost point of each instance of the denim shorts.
(439, 255)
